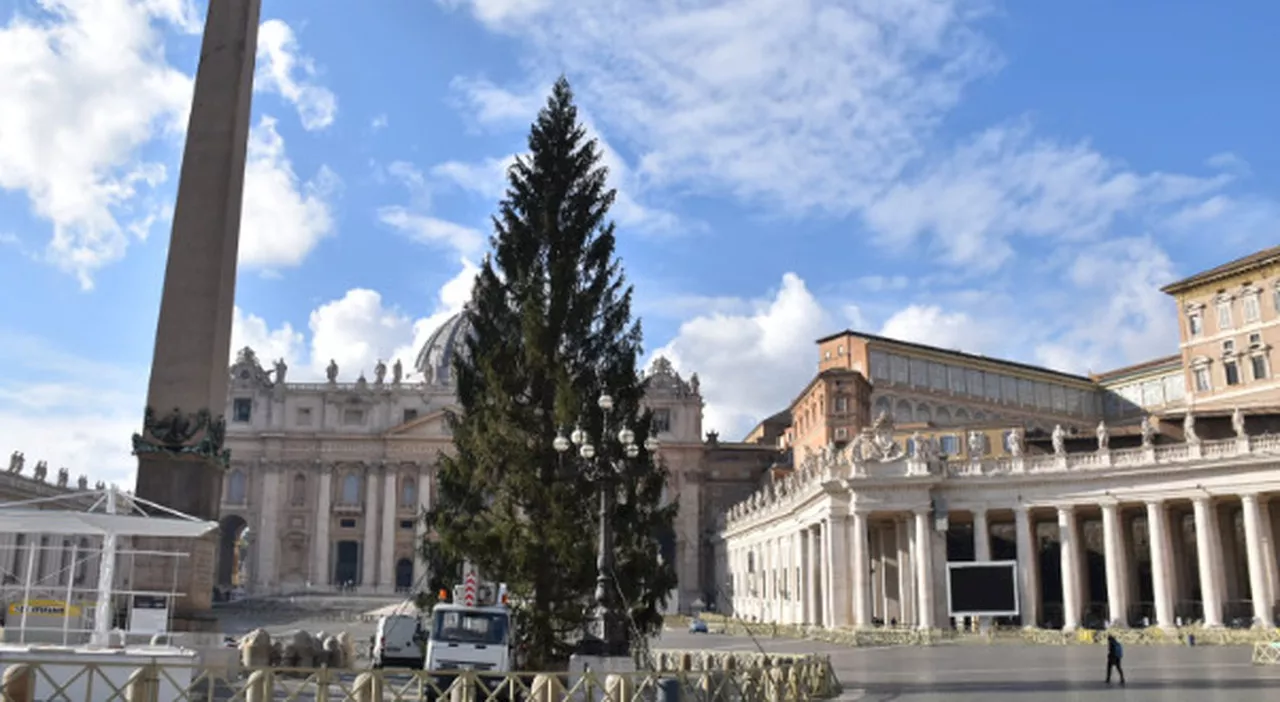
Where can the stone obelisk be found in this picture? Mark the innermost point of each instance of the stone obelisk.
(181, 459)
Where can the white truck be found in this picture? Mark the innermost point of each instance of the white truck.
(476, 636)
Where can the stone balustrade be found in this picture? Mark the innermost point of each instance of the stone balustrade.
(39, 475)
(843, 469)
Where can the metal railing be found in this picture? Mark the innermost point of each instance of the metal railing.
(693, 676)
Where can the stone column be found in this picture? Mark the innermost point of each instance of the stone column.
(981, 548)
(861, 580)
(1117, 572)
(420, 574)
(1209, 560)
(810, 574)
(321, 574)
(1158, 536)
(906, 579)
(193, 335)
(369, 549)
(838, 580)
(268, 536)
(1253, 553)
(924, 570)
(882, 573)
(1028, 566)
(827, 559)
(390, 506)
(1269, 563)
(1070, 568)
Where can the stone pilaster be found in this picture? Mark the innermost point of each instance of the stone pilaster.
(419, 530)
(321, 572)
(369, 549)
(387, 548)
(268, 539)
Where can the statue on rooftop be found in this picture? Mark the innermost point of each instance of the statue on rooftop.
(332, 371)
(1237, 423)
(397, 372)
(1059, 439)
(42, 470)
(379, 372)
(281, 370)
(16, 461)
(1148, 430)
(83, 483)
(1189, 428)
(63, 476)
(1104, 436)
(1013, 442)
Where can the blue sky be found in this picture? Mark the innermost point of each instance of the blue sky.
(1014, 179)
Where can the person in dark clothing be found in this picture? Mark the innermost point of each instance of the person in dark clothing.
(1114, 653)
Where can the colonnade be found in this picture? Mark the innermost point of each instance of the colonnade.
(1117, 562)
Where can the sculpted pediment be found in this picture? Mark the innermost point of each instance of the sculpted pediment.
(433, 425)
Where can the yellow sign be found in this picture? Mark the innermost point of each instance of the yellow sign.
(44, 608)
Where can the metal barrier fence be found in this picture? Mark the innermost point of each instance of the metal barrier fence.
(1266, 653)
(741, 678)
(903, 636)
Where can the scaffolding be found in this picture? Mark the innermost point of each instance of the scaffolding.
(111, 516)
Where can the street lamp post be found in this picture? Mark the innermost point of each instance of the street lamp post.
(604, 466)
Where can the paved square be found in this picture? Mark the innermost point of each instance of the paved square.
(972, 672)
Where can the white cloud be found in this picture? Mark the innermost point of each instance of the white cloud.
(283, 219)
(487, 178)
(811, 105)
(934, 326)
(284, 70)
(379, 122)
(415, 221)
(772, 345)
(356, 331)
(1005, 184)
(491, 105)
(43, 411)
(85, 86)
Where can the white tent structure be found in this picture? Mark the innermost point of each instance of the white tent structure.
(113, 514)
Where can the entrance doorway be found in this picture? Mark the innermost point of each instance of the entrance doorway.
(404, 574)
(232, 551)
(346, 569)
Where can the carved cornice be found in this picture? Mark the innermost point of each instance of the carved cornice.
(180, 434)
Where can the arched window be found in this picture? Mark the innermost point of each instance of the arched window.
(237, 488)
(298, 490)
(408, 492)
(351, 489)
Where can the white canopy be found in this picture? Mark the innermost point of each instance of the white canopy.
(39, 521)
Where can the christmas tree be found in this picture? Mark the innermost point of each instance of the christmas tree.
(550, 333)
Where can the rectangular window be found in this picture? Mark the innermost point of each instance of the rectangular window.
(304, 416)
(407, 524)
(1228, 347)
(353, 417)
(662, 420)
(842, 404)
(347, 523)
(409, 415)
(1224, 315)
(1195, 324)
(241, 409)
(1259, 364)
(1201, 376)
(949, 445)
(1232, 372)
(1255, 340)
(1252, 309)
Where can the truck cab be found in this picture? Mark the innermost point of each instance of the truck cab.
(470, 637)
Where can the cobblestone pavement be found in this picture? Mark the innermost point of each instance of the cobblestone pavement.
(968, 673)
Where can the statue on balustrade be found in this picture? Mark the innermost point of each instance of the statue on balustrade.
(397, 372)
(16, 461)
(1148, 429)
(1013, 442)
(332, 371)
(1189, 428)
(42, 470)
(379, 372)
(82, 482)
(1059, 438)
(1104, 436)
(282, 369)
(1237, 423)
(63, 476)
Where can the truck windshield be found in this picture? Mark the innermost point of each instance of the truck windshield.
(470, 627)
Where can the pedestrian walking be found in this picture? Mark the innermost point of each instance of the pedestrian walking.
(1115, 652)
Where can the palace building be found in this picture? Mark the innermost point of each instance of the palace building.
(327, 479)
(1139, 496)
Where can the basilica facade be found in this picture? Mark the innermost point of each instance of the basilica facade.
(327, 479)
(1142, 496)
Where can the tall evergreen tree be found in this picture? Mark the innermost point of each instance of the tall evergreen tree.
(551, 330)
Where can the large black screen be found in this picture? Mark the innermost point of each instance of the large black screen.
(986, 589)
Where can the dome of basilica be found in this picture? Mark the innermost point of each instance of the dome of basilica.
(435, 360)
